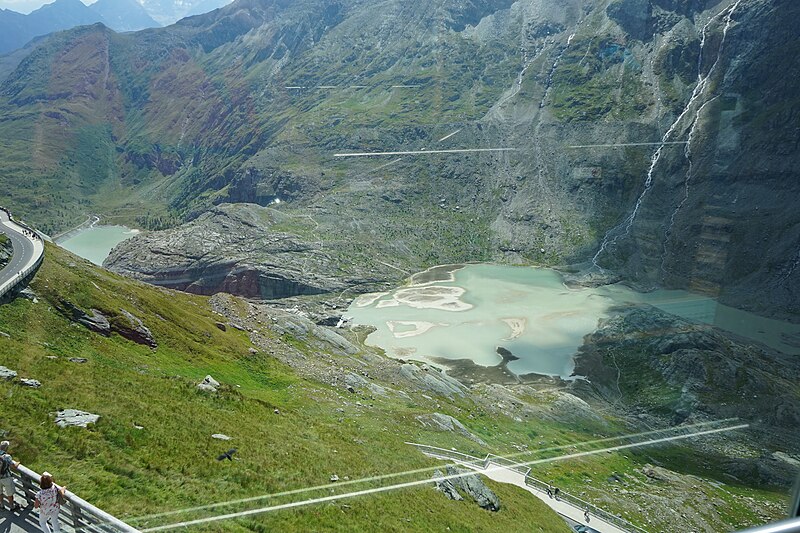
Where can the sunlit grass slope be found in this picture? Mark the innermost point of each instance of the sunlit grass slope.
(170, 463)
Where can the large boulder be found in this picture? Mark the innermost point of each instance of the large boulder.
(75, 417)
(457, 481)
(208, 384)
(446, 486)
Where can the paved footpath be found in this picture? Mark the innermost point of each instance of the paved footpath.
(505, 475)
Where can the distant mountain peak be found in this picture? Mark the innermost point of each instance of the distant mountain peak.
(124, 15)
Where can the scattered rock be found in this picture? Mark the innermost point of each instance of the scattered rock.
(6, 373)
(252, 351)
(74, 417)
(79, 360)
(32, 383)
(334, 478)
(137, 426)
(276, 411)
(4, 334)
(221, 436)
(28, 293)
(221, 326)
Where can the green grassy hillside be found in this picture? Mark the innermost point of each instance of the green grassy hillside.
(170, 463)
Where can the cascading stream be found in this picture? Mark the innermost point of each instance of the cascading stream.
(622, 230)
(550, 75)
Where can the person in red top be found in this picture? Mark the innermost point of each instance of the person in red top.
(48, 504)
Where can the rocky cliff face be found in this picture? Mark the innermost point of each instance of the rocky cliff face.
(667, 366)
(693, 183)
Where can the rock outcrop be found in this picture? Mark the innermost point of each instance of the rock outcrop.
(208, 384)
(135, 331)
(670, 367)
(456, 479)
(229, 249)
(432, 379)
(104, 322)
(75, 417)
(444, 422)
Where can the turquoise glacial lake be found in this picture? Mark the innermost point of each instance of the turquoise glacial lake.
(96, 242)
(468, 312)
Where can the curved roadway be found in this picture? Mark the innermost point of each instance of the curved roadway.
(27, 252)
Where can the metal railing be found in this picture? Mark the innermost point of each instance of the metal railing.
(22, 275)
(530, 481)
(76, 512)
(586, 506)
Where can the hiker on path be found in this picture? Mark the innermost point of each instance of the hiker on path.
(6, 479)
(47, 501)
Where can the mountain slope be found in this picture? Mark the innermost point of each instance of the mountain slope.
(18, 29)
(123, 15)
(251, 102)
(291, 430)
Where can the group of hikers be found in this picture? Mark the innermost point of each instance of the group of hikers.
(32, 234)
(553, 492)
(48, 500)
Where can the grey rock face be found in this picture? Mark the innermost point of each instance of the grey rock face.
(432, 380)
(698, 370)
(633, 16)
(127, 325)
(444, 422)
(318, 336)
(229, 249)
(469, 484)
(96, 322)
(136, 332)
(476, 489)
(74, 417)
(7, 373)
(446, 486)
(208, 384)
